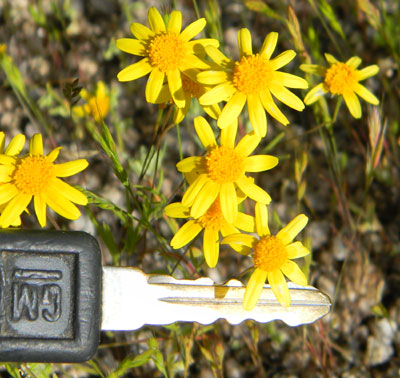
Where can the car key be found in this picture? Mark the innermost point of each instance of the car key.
(55, 297)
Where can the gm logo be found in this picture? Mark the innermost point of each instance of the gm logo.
(36, 294)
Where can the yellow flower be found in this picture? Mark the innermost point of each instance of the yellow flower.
(252, 80)
(167, 51)
(96, 105)
(223, 169)
(272, 256)
(212, 222)
(35, 176)
(342, 79)
(14, 148)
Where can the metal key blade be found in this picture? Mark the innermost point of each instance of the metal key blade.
(132, 299)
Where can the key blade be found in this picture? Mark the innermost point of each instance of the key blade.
(132, 299)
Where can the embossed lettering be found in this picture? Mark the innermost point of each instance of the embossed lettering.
(25, 301)
(52, 301)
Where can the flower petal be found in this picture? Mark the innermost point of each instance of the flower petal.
(36, 145)
(287, 97)
(313, 69)
(228, 201)
(257, 116)
(132, 46)
(177, 210)
(53, 155)
(205, 198)
(193, 29)
(232, 110)
(353, 104)
(156, 22)
(244, 42)
(330, 58)
(269, 45)
(242, 239)
(282, 59)
(253, 191)
(140, 31)
(228, 135)
(354, 62)
(291, 270)
(271, 107)
(14, 209)
(217, 94)
(69, 192)
(186, 234)
(365, 94)
(40, 209)
(135, 70)
(194, 189)
(211, 247)
(212, 77)
(294, 227)
(260, 163)
(190, 163)
(62, 206)
(296, 250)
(176, 88)
(218, 57)
(279, 287)
(70, 168)
(314, 94)
(154, 85)
(175, 22)
(367, 72)
(261, 220)
(247, 144)
(244, 222)
(289, 80)
(254, 289)
(16, 145)
(7, 192)
(198, 46)
(205, 133)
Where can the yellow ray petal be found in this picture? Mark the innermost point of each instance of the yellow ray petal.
(40, 209)
(191, 61)
(62, 206)
(15, 146)
(271, 107)
(6, 172)
(177, 210)
(131, 46)
(254, 288)
(2, 141)
(164, 96)
(218, 57)
(175, 22)
(186, 234)
(7, 160)
(212, 110)
(244, 42)
(198, 46)
(244, 222)
(7, 192)
(221, 92)
(365, 94)
(212, 77)
(367, 72)
(14, 209)
(330, 58)
(36, 145)
(291, 270)
(287, 97)
(253, 191)
(247, 144)
(154, 85)
(353, 104)
(70, 168)
(69, 192)
(155, 20)
(282, 59)
(260, 163)
(289, 80)
(354, 62)
(205, 198)
(242, 239)
(314, 69)
(314, 94)
(205, 133)
(193, 29)
(53, 155)
(194, 189)
(292, 229)
(211, 247)
(261, 219)
(269, 45)
(140, 31)
(232, 110)
(228, 135)
(190, 163)
(175, 87)
(228, 201)
(296, 250)
(135, 70)
(279, 287)
(257, 116)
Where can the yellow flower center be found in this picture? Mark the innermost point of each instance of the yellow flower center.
(32, 174)
(269, 254)
(252, 74)
(340, 77)
(224, 165)
(190, 86)
(213, 218)
(166, 51)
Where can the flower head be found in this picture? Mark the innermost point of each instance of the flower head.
(254, 79)
(223, 169)
(97, 105)
(342, 79)
(272, 256)
(36, 176)
(212, 222)
(167, 51)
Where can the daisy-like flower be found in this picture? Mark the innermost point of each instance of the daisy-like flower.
(254, 79)
(342, 79)
(223, 169)
(14, 148)
(36, 176)
(97, 105)
(167, 51)
(272, 256)
(212, 222)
